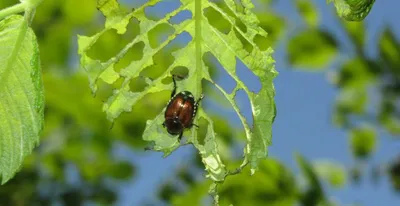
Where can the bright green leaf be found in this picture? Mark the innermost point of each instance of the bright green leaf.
(21, 94)
(352, 10)
(312, 49)
(363, 141)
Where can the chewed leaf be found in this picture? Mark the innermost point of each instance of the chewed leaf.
(21, 95)
(114, 14)
(229, 48)
(162, 140)
(353, 10)
(209, 154)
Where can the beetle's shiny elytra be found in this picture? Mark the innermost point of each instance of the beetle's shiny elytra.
(180, 112)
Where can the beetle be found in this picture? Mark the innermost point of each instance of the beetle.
(180, 111)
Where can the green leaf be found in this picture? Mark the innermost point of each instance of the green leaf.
(352, 10)
(352, 101)
(228, 48)
(312, 49)
(389, 49)
(391, 123)
(21, 94)
(315, 193)
(274, 25)
(121, 170)
(356, 32)
(308, 11)
(363, 141)
(357, 74)
(332, 172)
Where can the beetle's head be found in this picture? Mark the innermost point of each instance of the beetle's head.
(174, 126)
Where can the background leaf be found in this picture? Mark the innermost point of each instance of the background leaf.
(363, 141)
(21, 94)
(334, 173)
(312, 49)
(308, 11)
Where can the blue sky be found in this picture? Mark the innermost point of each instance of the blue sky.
(303, 124)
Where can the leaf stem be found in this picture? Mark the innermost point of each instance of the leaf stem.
(18, 8)
(198, 39)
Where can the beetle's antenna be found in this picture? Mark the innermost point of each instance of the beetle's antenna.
(201, 97)
(174, 90)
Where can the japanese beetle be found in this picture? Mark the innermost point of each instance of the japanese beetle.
(180, 112)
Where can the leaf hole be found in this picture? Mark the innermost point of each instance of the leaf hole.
(222, 5)
(218, 74)
(181, 40)
(164, 56)
(159, 34)
(132, 29)
(134, 53)
(251, 81)
(217, 20)
(226, 131)
(180, 71)
(202, 130)
(154, 71)
(243, 102)
(161, 9)
(138, 84)
(246, 44)
(118, 83)
(135, 4)
(216, 103)
(104, 90)
(107, 46)
(166, 80)
(181, 17)
(274, 26)
(262, 42)
(239, 6)
(241, 25)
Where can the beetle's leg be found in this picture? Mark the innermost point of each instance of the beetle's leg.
(180, 137)
(174, 90)
(196, 105)
(195, 125)
(198, 100)
(163, 124)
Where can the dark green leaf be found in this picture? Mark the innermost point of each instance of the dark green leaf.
(312, 49)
